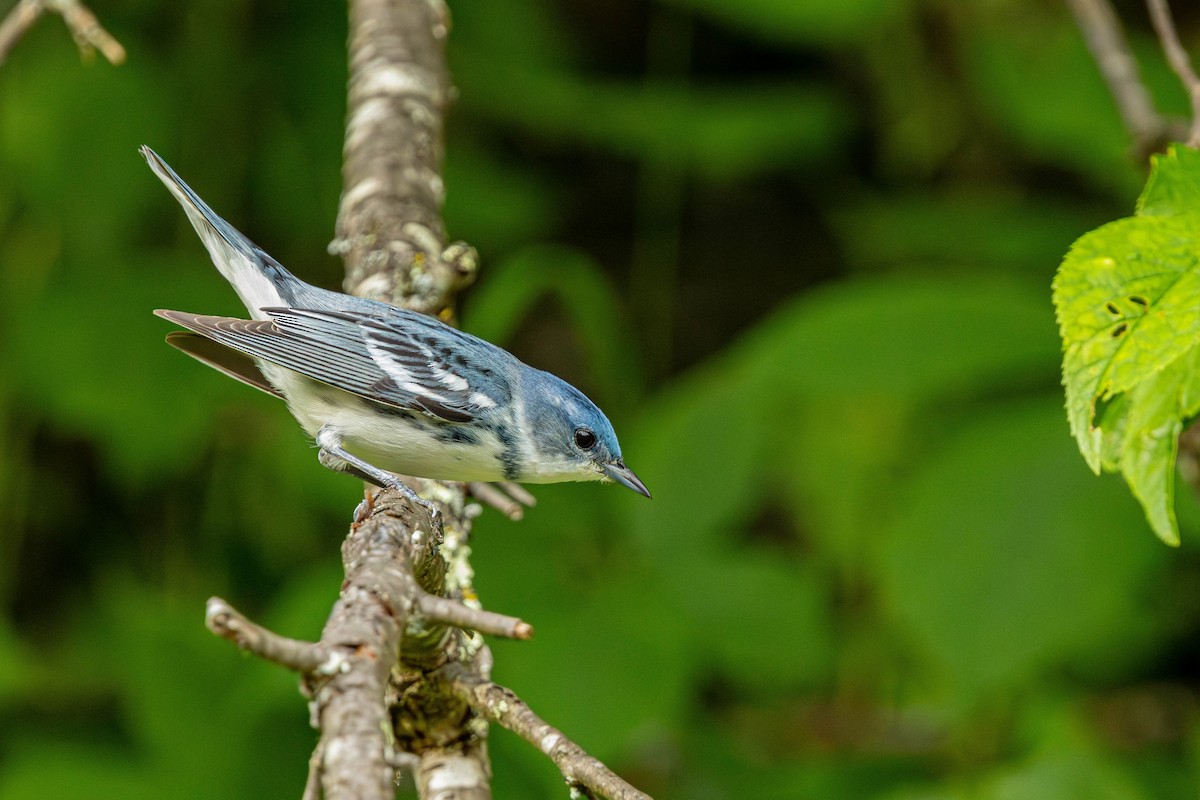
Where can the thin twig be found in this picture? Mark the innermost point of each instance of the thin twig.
(510, 499)
(226, 621)
(18, 21)
(519, 493)
(501, 705)
(1102, 32)
(451, 612)
(87, 31)
(1177, 57)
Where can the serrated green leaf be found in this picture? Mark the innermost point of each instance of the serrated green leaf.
(1128, 303)
(1149, 443)
(1174, 183)
(1109, 418)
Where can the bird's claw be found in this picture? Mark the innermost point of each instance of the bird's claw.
(435, 513)
(364, 508)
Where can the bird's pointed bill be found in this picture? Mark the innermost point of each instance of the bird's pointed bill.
(624, 476)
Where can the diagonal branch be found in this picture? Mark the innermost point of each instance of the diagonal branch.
(1107, 43)
(227, 622)
(1178, 58)
(510, 499)
(304, 657)
(501, 705)
(87, 31)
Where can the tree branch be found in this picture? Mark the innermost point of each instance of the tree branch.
(385, 608)
(305, 657)
(502, 706)
(376, 678)
(1106, 41)
(510, 499)
(1177, 57)
(312, 784)
(390, 234)
(454, 775)
(451, 612)
(227, 622)
(85, 28)
(363, 637)
(389, 224)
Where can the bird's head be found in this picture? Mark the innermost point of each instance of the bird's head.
(571, 439)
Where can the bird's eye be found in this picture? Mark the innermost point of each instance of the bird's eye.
(585, 439)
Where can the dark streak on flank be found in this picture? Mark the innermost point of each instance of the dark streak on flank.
(508, 455)
(456, 434)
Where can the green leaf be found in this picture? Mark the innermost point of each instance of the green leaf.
(716, 131)
(812, 21)
(1004, 562)
(1128, 302)
(993, 229)
(798, 644)
(1127, 296)
(1174, 183)
(1150, 438)
(915, 338)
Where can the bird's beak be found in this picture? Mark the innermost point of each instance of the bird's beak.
(624, 475)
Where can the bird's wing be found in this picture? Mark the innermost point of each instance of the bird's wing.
(358, 353)
(233, 363)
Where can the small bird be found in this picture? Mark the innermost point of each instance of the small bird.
(383, 389)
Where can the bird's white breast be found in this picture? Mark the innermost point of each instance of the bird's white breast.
(394, 442)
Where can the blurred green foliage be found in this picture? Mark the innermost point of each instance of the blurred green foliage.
(799, 251)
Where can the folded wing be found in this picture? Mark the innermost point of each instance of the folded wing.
(420, 370)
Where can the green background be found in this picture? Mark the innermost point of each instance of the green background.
(800, 252)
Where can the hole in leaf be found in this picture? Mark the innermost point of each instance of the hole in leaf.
(1108, 412)
(1112, 309)
(1117, 331)
(1141, 301)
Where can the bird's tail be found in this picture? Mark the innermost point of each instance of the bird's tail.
(260, 281)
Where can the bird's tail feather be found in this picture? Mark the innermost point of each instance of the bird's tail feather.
(259, 280)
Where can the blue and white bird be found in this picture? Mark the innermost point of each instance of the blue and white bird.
(385, 390)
